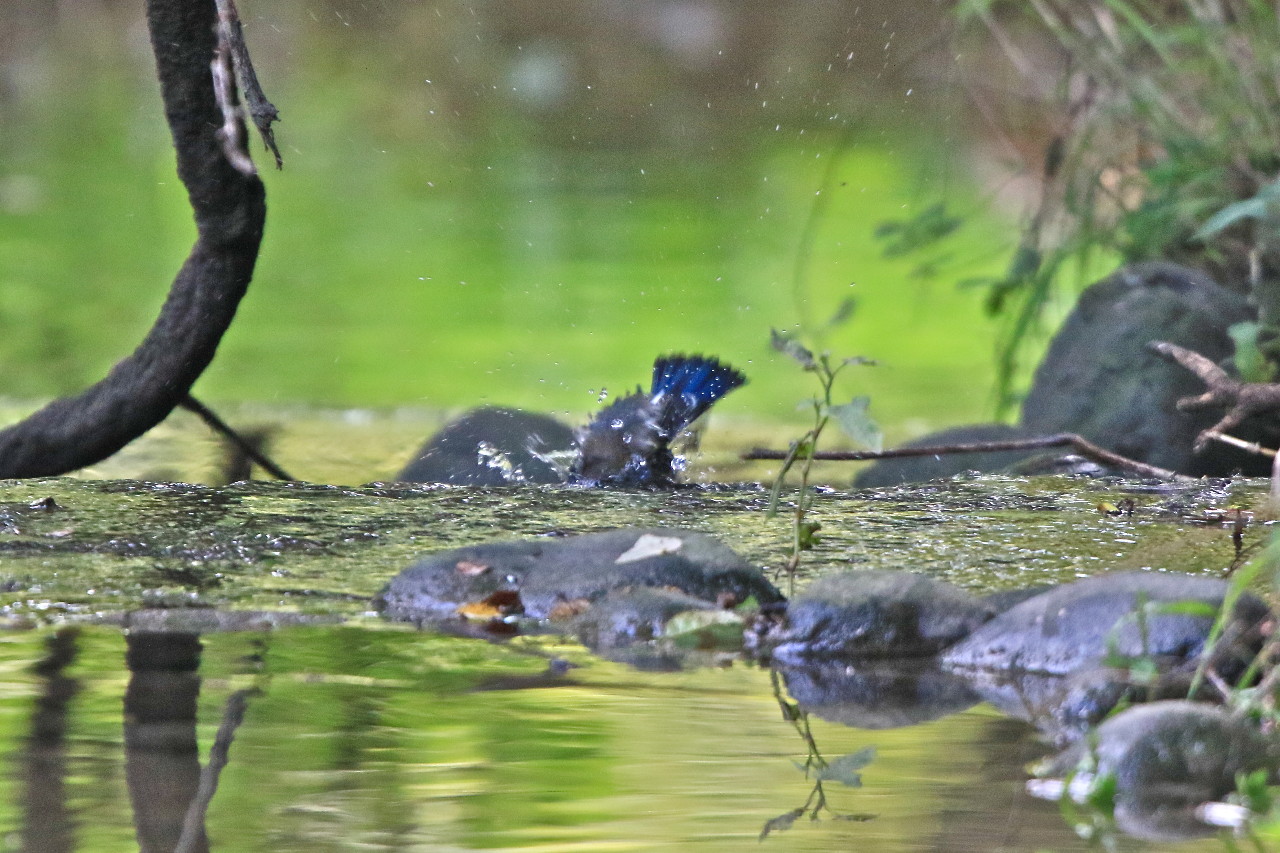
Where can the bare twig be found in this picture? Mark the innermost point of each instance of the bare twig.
(1242, 400)
(1080, 444)
(1251, 446)
(246, 447)
(262, 111)
(193, 823)
(232, 130)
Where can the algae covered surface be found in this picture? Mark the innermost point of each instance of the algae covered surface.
(75, 548)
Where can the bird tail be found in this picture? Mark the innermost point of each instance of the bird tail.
(685, 386)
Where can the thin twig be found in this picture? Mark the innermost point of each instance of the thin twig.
(219, 753)
(1251, 446)
(242, 444)
(261, 111)
(1080, 444)
(232, 131)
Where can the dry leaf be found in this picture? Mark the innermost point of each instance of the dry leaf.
(568, 609)
(470, 569)
(504, 602)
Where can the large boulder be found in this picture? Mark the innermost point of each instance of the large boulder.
(1149, 616)
(492, 446)
(1099, 380)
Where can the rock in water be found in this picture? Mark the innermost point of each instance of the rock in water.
(547, 578)
(1165, 618)
(1166, 758)
(874, 614)
(492, 446)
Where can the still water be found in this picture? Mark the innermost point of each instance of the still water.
(356, 734)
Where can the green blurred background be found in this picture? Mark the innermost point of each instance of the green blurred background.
(520, 203)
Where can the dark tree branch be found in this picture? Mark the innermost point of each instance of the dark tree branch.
(230, 210)
(1242, 400)
(1078, 443)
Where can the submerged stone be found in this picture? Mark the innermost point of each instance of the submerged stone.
(492, 446)
(1167, 758)
(873, 614)
(1066, 707)
(558, 578)
(1164, 618)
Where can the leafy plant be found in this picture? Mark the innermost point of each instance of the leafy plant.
(1166, 146)
(845, 769)
(852, 417)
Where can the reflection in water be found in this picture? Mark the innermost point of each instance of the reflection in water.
(162, 764)
(169, 791)
(47, 823)
(401, 740)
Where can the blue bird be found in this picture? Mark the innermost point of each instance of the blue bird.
(629, 442)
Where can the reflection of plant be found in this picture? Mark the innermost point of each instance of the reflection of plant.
(844, 769)
(1167, 146)
(854, 420)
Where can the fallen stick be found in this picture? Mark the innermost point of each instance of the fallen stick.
(1081, 445)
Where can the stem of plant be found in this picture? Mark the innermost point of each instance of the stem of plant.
(802, 530)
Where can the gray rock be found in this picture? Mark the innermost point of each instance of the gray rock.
(918, 469)
(492, 446)
(874, 614)
(1099, 380)
(634, 615)
(539, 577)
(1166, 759)
(1065, 707)
(1074, 627)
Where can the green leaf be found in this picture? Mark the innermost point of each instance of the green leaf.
(1251, 364)
(1259, 206)
(855, 421)
(781, 822)
(845, 768)
(807, 535)
(705, 629)
(788, 345)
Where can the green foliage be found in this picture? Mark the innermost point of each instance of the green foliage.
(1251, 364)
(1167, 146)
(853, 418)
(845, 768)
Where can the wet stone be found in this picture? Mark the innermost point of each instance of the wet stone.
(492, 446)
(555, 578)
(634, 615)
(1165, 618)
(873, 614)
(1167, 758)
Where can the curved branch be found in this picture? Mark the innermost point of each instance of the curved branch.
(230, 210)
(1242, 400)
